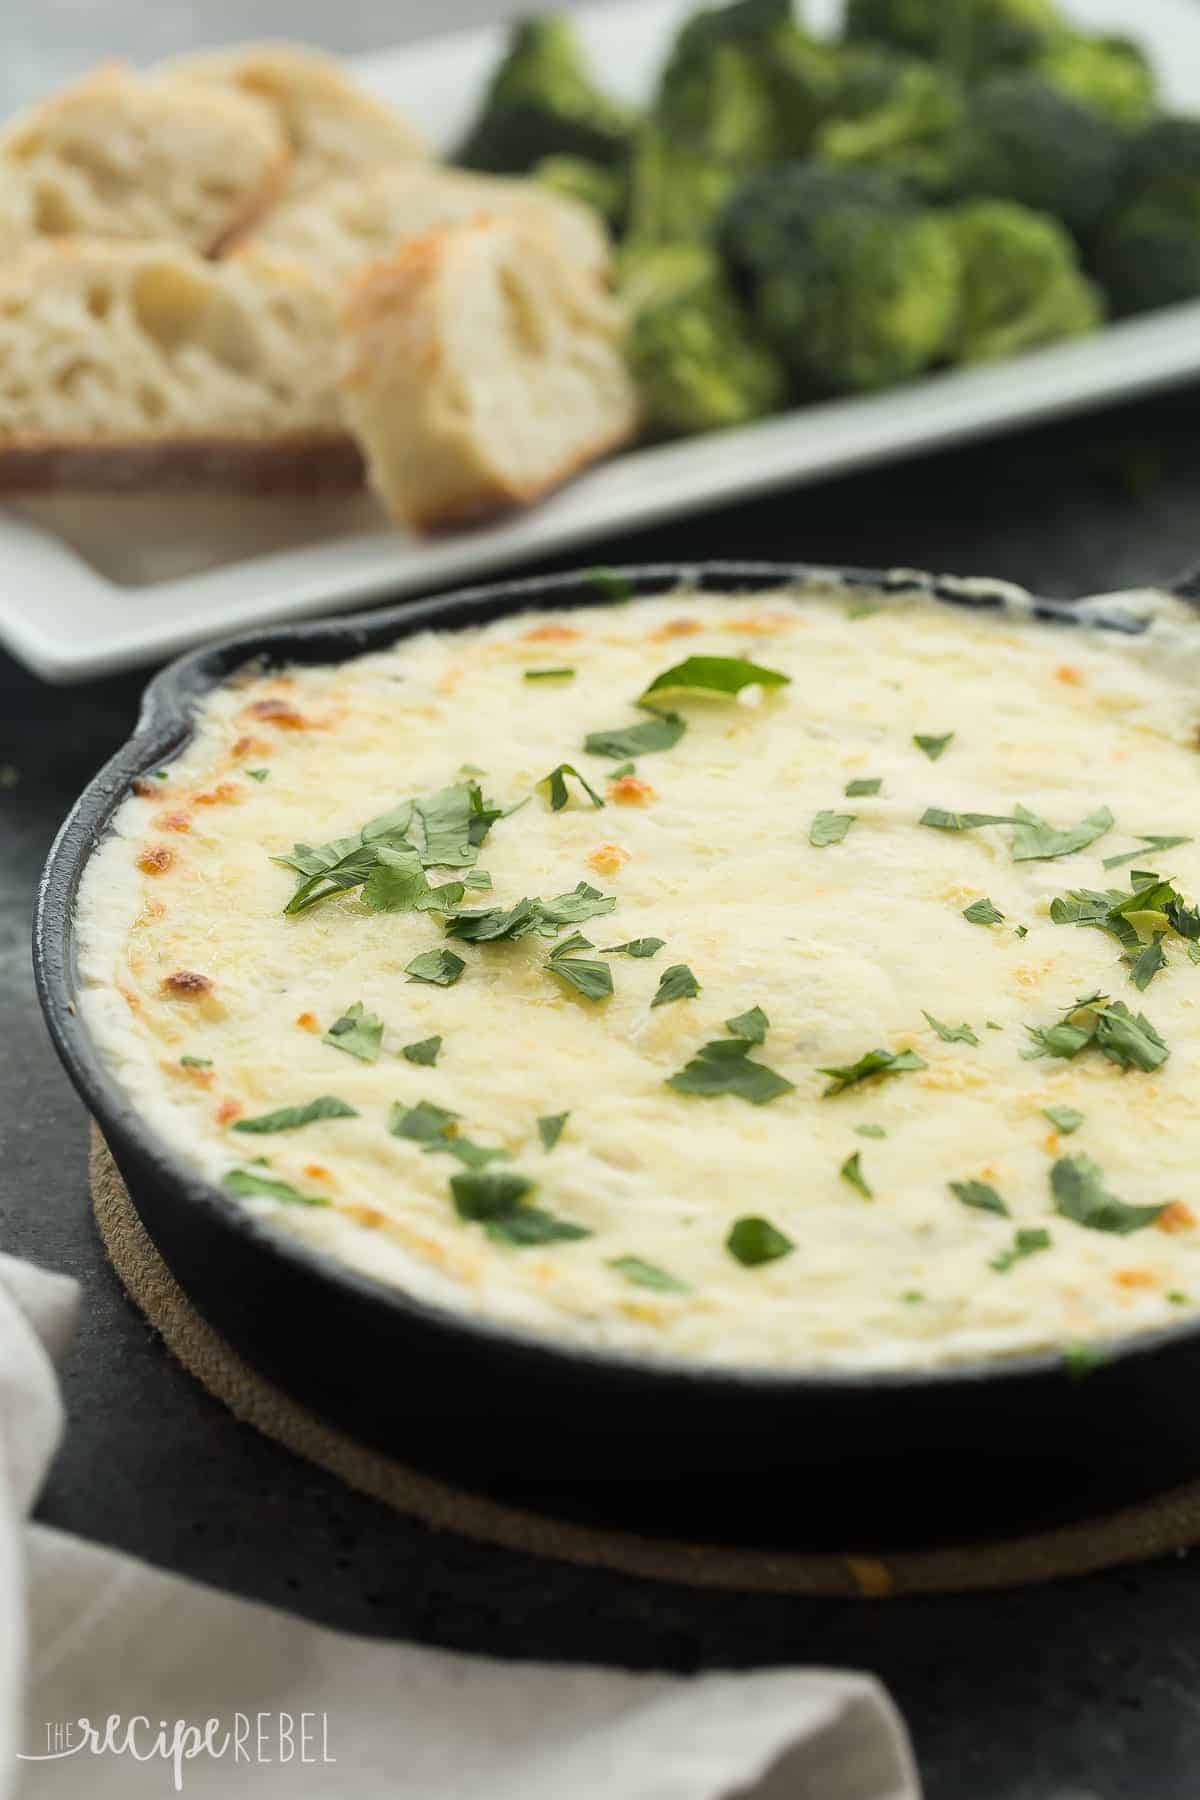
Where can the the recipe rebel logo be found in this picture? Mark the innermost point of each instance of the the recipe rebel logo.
(247, 1738)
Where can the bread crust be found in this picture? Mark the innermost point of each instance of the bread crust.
(303, 463)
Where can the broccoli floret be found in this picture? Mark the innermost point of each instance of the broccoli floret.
(1021, 281)
(1147, 253)
(972, 37)
(696, 359)
(1031, 143)
(1109, 74)
(676, 191)
(605, 190)
(898, 114)
(743, 82)
(541, 101)
(854, 282)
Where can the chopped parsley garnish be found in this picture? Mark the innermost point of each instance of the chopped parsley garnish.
(874, 1062)
(609, 583)
(583, 902)
(676, 983)
(715, 675)
(753, 1241)
(425, 1052)
(441, 968)
(1152, 846)
(1033, 840)
(1145, 965)
(550, 1128)
(258, 774)
(978, 1194)
(863, 609)
(1063, 1118)
(289, 1118)
(1177, 1298)
(625, 768)
(437, 1129)
(1082, 1359)
(549, 674)
(851, 1171)
(1126, 1038)
(555, 786)
(982, 912)
(590, 978)
(725, 1066)
(495, 1199)
(932, 746)
(1027, 1242)
(941, 820)
(1079, 1194)
(357, 1032)
(397, 883)
(648, 1275)
(661, 731)
(752, 1026)
(1153, 900)
(649, 946)
(870, 1131)
(546, 917)
(829, 828)
(246, 1181)
(196, 1062)
(952, 1034)
(864, 785)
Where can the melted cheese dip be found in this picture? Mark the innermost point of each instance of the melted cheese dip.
(845, 947)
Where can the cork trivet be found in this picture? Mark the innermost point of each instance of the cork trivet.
(1157, 1527)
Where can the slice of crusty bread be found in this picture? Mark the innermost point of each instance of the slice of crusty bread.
(479, 370)
(340, 225)
(333, 126)
(121, 156)
(144, 364)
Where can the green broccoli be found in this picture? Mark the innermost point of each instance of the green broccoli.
(696, 360)
(605, 190)
(898, 114)
(1109, 74)
(1029, 142)
(1147, 252)
(854, 282)
(973, 37)
(1021, 282)
(675, 192)
(541, 102)
(745, 84)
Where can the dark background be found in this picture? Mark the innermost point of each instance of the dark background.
(1084, 1691)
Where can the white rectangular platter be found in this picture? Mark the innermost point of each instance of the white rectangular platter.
(92, 584)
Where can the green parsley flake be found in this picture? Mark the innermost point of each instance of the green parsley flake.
(550, 1128)
(1152, 846)
(982, 912)
(951, 1034)
(1127, 1039)
(1177, 1298)
(829, 828)
(941, 820)
(870, 1131)
(196, 1062)
(247, 1182)
(661, 731)
(549, 674)
(290, 1118)
(863, 786)
(715, 675)
(609, 582)
(1146, 964)
(1027, 1242)
(1082, 1359)
(863, 609)
(425, 1052)
(1035, 841)
(851, 1171)
(357, 1032)
(555, 786)
(676, 983)
(625, 768)
(752, 1026)
(647, 946)
(726, 1067)
(495, 1199)
(978, 1194)
(1064, 1118)
(437, 1130)
(1079, 1194)
(648, 1275)
(591, 979)
(873, 1062)
(753, 1241)
(932, 746)
(440, 968)
(258, 774)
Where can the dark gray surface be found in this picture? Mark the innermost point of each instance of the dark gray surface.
(1085, 1691)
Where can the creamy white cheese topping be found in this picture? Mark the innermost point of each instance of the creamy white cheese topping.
(845, 948)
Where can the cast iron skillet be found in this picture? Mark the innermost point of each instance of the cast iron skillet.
(761, 1456)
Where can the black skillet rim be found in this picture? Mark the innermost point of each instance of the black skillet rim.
(162, 730)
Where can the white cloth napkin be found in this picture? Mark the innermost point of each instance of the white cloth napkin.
(89, 1635)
